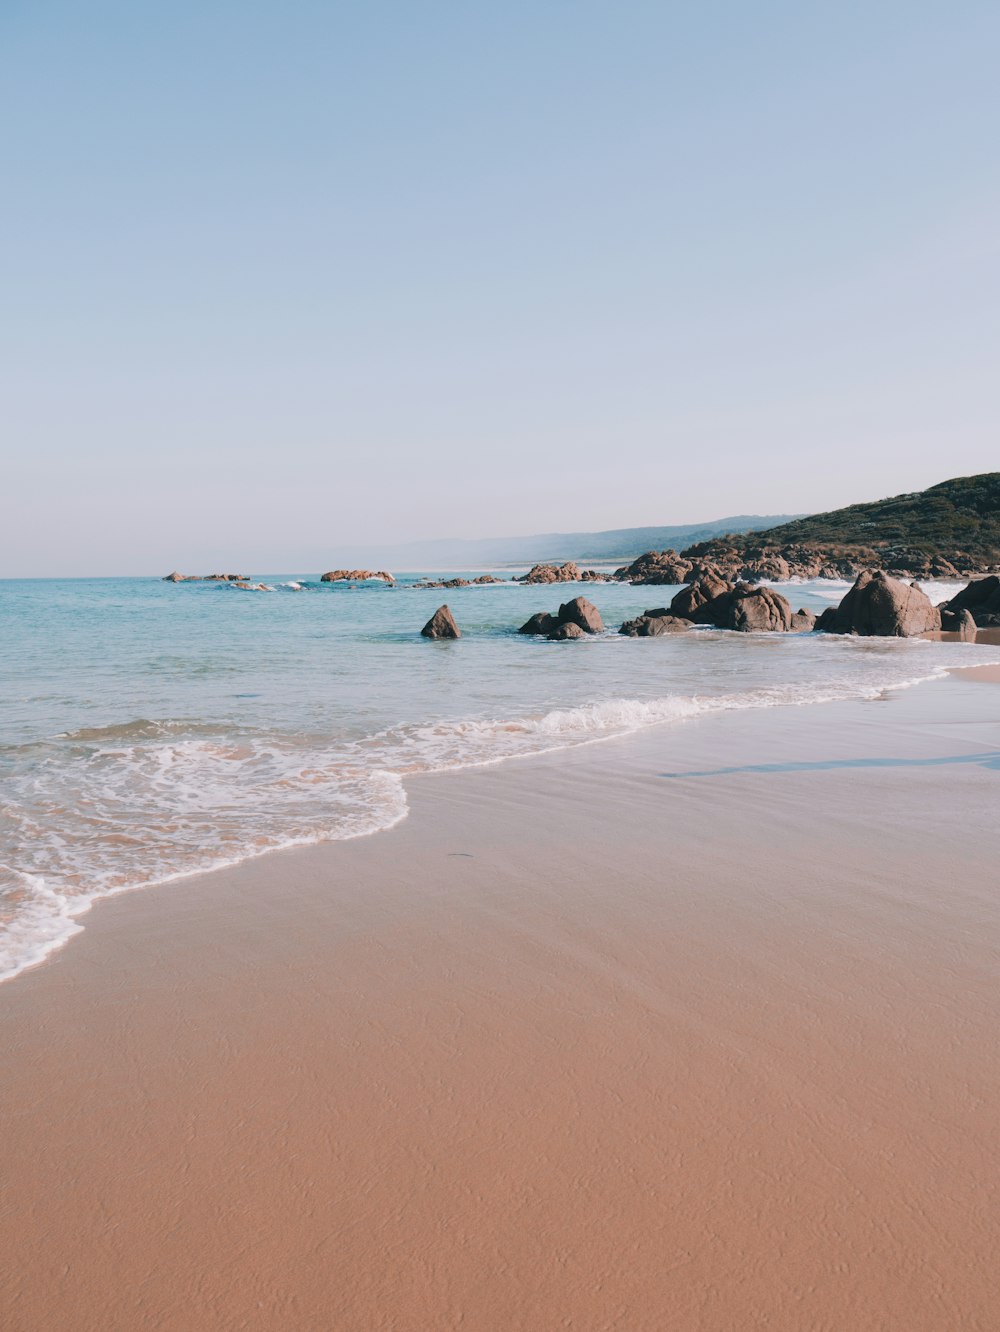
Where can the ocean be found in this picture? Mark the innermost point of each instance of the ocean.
(150, 731)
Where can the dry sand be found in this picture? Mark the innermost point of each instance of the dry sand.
(696, 1030)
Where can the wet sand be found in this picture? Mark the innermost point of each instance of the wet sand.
(695, 1030)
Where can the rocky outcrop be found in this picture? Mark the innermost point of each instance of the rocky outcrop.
(481, 581)
(655, 568)
(540, 623)
(960, 622)
(580, 612)
(551, 573)
(653, 623)
(803, 621)
(356, 576)
(441, 625)
(176, 577)
(981, 599)
(739, 606)
(883, 607)
(566, 631)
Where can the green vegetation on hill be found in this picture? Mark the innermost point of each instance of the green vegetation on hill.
(961, 515)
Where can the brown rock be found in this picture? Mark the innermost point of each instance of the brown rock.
(583, 613)
(540, 623)
(981, 598)
(551, 573)
(802, 622)
(565, 631)
(651, 624)
(959, 622)
(356, 576)
(441, 625)
(690, 602)
(880, 606)
(752, 610)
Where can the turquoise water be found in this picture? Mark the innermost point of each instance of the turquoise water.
(151, 730)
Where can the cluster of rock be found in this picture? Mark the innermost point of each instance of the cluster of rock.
(877, 605)
(980, 602)
(176, 577)
(356, 576)
(756, 563)
(724, 605)
(574, 619)
(564, 573)
(481, 581)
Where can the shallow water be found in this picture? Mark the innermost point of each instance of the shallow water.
(151, 730)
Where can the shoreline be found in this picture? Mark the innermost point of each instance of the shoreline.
(81, 906)
(692, 1028)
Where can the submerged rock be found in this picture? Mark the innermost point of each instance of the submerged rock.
(540, 623)
(441, 625)
(653, 623)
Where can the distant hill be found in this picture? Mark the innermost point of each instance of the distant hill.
(956, 522)
(619, 544)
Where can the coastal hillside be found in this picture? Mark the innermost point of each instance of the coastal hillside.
(950, 528)
(614, 544)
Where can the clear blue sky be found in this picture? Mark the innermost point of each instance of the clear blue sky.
(282, 277)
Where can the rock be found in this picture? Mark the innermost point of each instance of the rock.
(565, 631)
(752, 610)
(653, 623)
(176, 577)
(485, 578)
(583, 613)
(540, 623)
(880, 606)
(356, 576)
(826, 620)
(655, 567)
(690, 602)
(961, 622)
(802, 622)
(551, 573)
(981, 598)
(441, 625)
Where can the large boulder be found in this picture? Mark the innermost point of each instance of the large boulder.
(752, 610)
(981, 598)
(883, 607)
(540, 623)
(959, 622)
(690, 602)
(653, 623)
(566, 631)
(441, 625)
(583, 613)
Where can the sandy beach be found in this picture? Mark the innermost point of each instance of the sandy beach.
(690, 1030)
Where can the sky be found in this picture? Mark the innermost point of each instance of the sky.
(282, 279)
